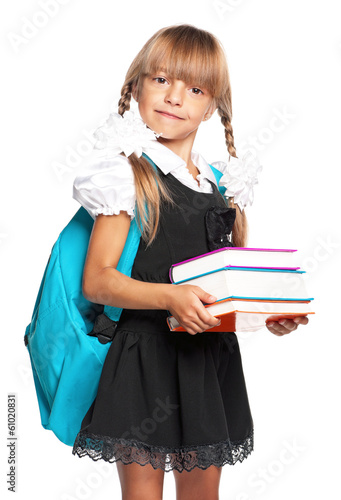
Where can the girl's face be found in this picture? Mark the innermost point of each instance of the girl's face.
(172, 107)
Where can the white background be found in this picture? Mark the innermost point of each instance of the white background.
(58, 82)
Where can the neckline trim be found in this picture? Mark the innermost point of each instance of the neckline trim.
(215, 188)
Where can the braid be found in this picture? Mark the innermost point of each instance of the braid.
(229, 139)
(240, 227)
(124, 102)
(150, 190)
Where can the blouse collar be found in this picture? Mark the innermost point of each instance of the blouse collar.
(167, 160)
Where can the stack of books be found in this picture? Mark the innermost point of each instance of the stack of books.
(252, 286)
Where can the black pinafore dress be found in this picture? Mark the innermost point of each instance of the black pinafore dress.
(170, 399)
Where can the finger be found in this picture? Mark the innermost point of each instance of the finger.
(277, 332)
(194, 325)
(301, 320)
(204, 320)
(193, 328)
(289, 324)
(200, 325)
(191, 331)
(204, 296)
(207, 319)
(278, 329)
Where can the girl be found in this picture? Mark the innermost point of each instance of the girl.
(166, 400)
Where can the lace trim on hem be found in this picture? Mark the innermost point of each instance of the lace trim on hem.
(161, 457)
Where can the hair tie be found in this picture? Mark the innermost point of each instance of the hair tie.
(239, 177)
(128, 134)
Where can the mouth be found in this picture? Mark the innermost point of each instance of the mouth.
(169, 115)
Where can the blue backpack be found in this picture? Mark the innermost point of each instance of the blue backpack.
(66, 355)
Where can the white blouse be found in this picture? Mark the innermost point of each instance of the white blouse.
(106, 186)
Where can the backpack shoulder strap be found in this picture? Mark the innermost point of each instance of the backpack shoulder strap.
(218, 175)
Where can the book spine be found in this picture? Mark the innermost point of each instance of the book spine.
(172, 323)
(171, 274)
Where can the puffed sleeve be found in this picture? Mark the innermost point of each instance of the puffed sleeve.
(106, 186)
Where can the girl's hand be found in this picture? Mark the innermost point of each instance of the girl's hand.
(186, 305)
(284, 326)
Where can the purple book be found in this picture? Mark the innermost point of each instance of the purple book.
(262, 258)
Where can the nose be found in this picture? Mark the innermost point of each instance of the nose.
(174, 95)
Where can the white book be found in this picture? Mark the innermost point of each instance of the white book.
(252, 283)
(232, 256)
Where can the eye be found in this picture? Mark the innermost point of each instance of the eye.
(196, 91)
(160, 79)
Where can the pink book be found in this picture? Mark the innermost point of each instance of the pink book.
(263, 258)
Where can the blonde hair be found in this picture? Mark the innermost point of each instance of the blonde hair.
(190, 54)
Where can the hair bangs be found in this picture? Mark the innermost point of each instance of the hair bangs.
(192, 56)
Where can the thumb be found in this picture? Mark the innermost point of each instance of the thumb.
(204, 296)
